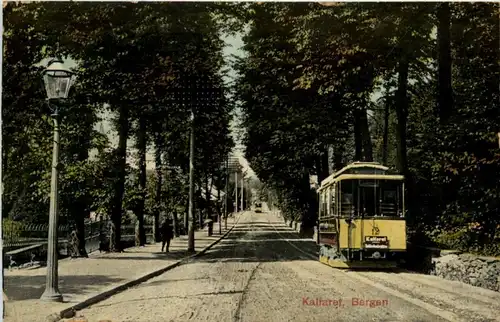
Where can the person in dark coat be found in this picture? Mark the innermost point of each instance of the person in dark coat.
(167, 233)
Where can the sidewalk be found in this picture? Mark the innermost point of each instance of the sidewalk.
(83, 278)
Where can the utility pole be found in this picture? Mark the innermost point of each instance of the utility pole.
(219, 215)
(236, 191)
(249, 195)
(269, 200)
(246, 194)
(242, 191)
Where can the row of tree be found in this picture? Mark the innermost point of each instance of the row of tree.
(146, 65)
(414, 86)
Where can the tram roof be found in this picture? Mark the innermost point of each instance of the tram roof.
(356, 168)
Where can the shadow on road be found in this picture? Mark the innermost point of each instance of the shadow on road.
(20, 288)
(261, 242)
(258, 242)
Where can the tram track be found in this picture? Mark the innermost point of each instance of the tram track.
(236, 317)
(244, 238)
(241, 300)
(256, 274)
(193, 315)
(450, 306)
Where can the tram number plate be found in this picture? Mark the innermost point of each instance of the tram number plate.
(376, 242)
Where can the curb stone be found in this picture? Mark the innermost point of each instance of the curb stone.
(71, 311)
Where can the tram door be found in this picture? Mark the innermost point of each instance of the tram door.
(367, 202)
(367, 206)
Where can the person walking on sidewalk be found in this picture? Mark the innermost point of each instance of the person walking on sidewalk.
(167, 233)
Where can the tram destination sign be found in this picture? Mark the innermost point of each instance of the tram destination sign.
(370, 183)
(376, 242)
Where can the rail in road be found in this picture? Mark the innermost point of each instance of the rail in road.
(264, 271)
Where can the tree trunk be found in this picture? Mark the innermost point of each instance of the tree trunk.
(385, 138)
(445, 98)
(325, 166)
(176, 223)
(208, 197)
(219, 210)
(139, 211)
(78, 236)
(362, 136)
(186, 214)
(199, 198)
(338, 154)
(319, 172)
(119, 188)
(401, 114)
(365, 134)
(308, 217)
(358, 137)
(82, 211)
(158, 195)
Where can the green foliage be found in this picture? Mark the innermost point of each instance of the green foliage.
(134, 61)
(467, 239)
(11, 230)
(304, 89)
(310, 70)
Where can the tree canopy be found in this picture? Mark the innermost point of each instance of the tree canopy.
(414, 86)
(308, 88)
(145, 65)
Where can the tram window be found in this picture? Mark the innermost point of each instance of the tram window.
(347, 204)
(332, 201)
(347, 198)
(368, 201)
(390, 203)
(389, 193)
(323, 206)
(389, 196)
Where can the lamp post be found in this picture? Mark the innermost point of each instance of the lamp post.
(236, 191)
(242, 195)
(58, 81)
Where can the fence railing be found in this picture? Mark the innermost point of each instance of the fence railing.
(22, 235)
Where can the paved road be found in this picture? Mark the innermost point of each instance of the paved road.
(264, 272)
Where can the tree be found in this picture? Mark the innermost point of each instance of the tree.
(333, 58)
(129, 61)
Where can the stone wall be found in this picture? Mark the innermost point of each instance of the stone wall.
(474, 270)
(303, 232)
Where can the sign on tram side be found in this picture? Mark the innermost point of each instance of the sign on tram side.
(376, 242)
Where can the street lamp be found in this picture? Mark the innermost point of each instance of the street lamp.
(58, 81)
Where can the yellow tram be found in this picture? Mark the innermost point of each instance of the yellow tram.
(362, 217)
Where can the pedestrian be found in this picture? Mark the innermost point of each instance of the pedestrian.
(167, 233)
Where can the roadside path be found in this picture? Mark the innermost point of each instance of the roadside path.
(82, 278)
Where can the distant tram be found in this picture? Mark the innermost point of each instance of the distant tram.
(362, 217)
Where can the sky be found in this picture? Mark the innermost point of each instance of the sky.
(233, 47)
